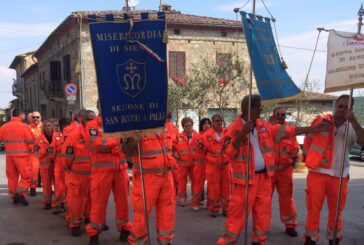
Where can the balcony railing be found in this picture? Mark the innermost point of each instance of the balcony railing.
(55, 89)
(17, 89)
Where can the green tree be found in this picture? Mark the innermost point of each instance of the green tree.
(215, 83)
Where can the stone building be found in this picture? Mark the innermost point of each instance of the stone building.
(66, 57)
(20, 64)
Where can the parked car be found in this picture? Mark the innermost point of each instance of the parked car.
(357, 150)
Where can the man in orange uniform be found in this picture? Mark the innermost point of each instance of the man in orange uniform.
(18, 142)
(158, 184)
(262, 138)
(184, 153)
(323, 156)
(218, 169)
(109, 173)
(36, 128)
(285, 156)
(59, 170)
(171, 132)
(77, 160)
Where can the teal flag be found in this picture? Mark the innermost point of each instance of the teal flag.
(273, 82)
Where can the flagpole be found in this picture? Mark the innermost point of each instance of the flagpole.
(143, 192)
(360, 23)
(249, 150)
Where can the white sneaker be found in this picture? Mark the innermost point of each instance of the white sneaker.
(195, 209)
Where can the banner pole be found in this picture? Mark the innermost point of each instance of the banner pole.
(248, 167)
(143, 192)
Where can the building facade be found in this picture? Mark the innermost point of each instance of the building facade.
(66, 57)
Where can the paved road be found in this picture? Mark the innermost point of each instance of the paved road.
(34, 226)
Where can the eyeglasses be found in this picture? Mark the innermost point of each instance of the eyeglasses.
(35, 117)
(340, 106)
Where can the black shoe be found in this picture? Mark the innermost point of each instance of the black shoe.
(76, 231)
(124, 235)
(255, 243)
(225, 213)
(94, 240)
(47, 206)
(57, 210)
(86, 220)
(105, 227)
(214, 214)
(16, 198)
(23, 201)
(337, 242)
(291, 232)
(33, 192)
(308, 241)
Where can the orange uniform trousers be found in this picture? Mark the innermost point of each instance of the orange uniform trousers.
(14, 167)
(199, 173)
(78, 198)
(103, 182)
(320, 186)
(183, 172)
(47, 173)
(218, 186)
(34, 161)
(259, 202)
(59, 183)
(160, 193)
(283, 181)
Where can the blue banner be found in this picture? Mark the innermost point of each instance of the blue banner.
(272, 80)
(131, 69)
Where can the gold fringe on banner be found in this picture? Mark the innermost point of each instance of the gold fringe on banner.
(134, 133)
(280, 100)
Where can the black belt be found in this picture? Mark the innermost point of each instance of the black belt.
(261, 171)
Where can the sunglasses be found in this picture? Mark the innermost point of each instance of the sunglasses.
(35, 117)
(342, 106)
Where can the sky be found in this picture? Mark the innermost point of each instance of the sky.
(24, 26)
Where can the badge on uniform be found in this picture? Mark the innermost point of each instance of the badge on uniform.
(58, 138)
(81, 141)
(69, 150)
(93, 132)
(200, 145)
(50, 150)
(36, 148)
(41, 141)
(181, 139)
(226, 142)
(262, 129)
(211, 139)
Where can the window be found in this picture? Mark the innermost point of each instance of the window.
(55, 86)
(222, 59)
(177, 64)
(55, 71)
(67, 68)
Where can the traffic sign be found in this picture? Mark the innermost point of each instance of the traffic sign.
(70, 89)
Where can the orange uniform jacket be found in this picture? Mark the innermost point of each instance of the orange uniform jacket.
(44, 151)
(105, 154)
(17, 138)
(285, 151)
(184, 149)
(266, 134)
(76, 154)
(213, 148)
(318, 147)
